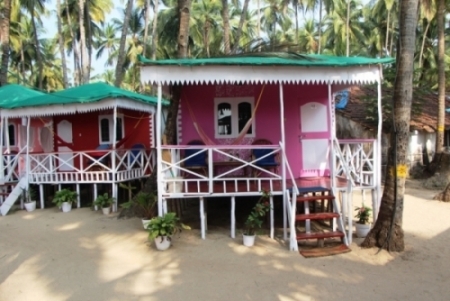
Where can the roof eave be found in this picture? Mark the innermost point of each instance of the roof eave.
(207, 74)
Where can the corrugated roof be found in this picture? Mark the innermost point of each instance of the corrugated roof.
(87, 93)
(272, 59)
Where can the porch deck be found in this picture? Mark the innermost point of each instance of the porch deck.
(249, 186)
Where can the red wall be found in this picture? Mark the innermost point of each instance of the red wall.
(85, 128)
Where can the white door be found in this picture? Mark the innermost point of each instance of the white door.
(64, 131)
(314, 139)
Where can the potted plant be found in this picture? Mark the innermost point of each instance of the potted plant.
(143, 205)
(104, 201)
(64, 199)
(161, 229)
(255, 219)
(362, 224)
(30, 199)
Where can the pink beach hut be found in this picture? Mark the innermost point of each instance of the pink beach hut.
(266, 121)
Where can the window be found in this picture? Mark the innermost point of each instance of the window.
(11, 134)
(106, 124)
(231, 116)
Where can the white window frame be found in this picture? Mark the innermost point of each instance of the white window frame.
(111, 128)
(234, 102)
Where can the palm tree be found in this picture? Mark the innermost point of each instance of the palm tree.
(241, 24)
(107, 41)
(205, 14)
(121, 56)
(226, 27)
(441, 77)
(61, 44)
(387, 232)
(4, 38)
(154, 30)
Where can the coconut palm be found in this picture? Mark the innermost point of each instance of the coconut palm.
(387, 232)
(4, 38)
(122, 45)
(107, 41)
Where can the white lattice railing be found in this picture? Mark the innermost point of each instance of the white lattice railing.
(242, 169)
(89, 166)
(355, 160)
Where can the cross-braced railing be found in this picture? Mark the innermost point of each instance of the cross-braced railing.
(225, 168)
(91, 166)
(355, 160)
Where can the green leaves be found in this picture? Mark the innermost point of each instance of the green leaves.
(166, 225)
(259, 211)
(64, 195)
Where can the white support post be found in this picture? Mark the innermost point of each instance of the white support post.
(164, 206)
(2, 167)
(283, 160)
(95, 195)
(233, 217)
(158, 150)
(377, 155)
(113, 155)
(202, 218)
(78, 195)
(28, 167)
(115, 194)
(333, 137)
(8, 147)
(272, 227)
(41, 195)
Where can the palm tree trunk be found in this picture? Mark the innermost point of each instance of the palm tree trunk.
(388, 232)
(83, 46)
(4, 39)
(319, 46)
(386, 43)
(296, 25)
(347, 31)
(241, 24)
(123, 39)
(184, 10)
(38, 51)
(155, 30)
(146, 22)
(61, 45)
(226, 27)
(422, 47)
(76, 53)
(441, 77)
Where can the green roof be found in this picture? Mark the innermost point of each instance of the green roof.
(273, 59)
(87, 93)
(11, 94)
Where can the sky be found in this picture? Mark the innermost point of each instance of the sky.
(51, 29)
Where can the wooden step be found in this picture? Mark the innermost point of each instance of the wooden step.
(314, 198)
(315, 216)
(319, 235)
(327, 251)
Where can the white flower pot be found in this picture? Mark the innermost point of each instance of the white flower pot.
(362, 229)
(66, 207)
(248, 240)
(106, 210)
(145, 223)
(30, 206)
(162, 242)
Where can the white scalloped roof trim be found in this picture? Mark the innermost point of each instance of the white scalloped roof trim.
(74, 108)
(260, 74)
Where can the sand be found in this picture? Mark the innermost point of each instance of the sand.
(83, 255)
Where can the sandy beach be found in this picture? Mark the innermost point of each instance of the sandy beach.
(83, 255)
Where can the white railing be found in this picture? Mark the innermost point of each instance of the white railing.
(226, 170)
(94, 166)
(10, 168)
(355, 160)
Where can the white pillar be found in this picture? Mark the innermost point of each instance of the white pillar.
(2, 129)
(202, 218)
(283, 160)
(41, 195)
(95, 195)
(233, 217)
(158, 150)
(78, 195)
(377, 201)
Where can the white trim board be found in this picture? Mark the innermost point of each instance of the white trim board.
(74, 108)
(260, 74)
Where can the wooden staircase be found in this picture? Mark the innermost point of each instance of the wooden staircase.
(318, 218)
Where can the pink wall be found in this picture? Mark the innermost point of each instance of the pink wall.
(200, 98)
